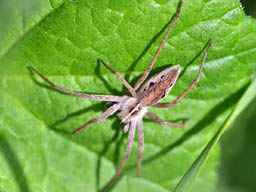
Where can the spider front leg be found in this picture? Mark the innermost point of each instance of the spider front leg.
(112, 98)
(177, 100)
(159, 49)
(110, 111)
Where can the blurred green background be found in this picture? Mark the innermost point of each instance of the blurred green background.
(237, 170)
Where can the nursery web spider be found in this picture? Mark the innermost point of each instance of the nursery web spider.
(133, 108)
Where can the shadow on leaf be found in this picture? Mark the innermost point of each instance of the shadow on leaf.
(96, 108)
(152, 41)
(99, 75)
(117, 128)
(46, 86)
(14, 164)
(209, 117)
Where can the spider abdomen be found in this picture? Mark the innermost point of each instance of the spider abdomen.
(158, 86)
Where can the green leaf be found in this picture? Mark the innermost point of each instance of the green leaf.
(197, 166)
(237, 165)
(64, 39)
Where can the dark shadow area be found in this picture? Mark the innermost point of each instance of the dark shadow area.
(152, 41)
(193, 60)
(117, 128)
(118, 143)
(99, 75)
(180, 120)
(249, 7)
(237, 171)
(14, 164)
(209, 118)
(96, 108)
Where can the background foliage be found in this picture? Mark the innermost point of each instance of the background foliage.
(63, 40)
(249, 7)
(237, 168)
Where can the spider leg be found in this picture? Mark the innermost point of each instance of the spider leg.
(177, 100)
(141, 145)
(159, 49)
(164, 123)
(124, 82)
(127, 127)
(111, 110)
(88, 96)
(127, 153)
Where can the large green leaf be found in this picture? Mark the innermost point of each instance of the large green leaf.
(64, 39)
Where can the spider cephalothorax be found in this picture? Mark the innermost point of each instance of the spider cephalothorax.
(133, 108)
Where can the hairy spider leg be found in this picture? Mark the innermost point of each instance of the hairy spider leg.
(159, 49)
(112, 98)
(110, 111)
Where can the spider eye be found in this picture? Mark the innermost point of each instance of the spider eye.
(151, 84)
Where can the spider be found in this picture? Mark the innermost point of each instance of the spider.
(133, 108)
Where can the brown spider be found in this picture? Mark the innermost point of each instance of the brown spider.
(133, 108)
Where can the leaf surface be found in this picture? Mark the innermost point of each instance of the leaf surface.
(64, 39)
